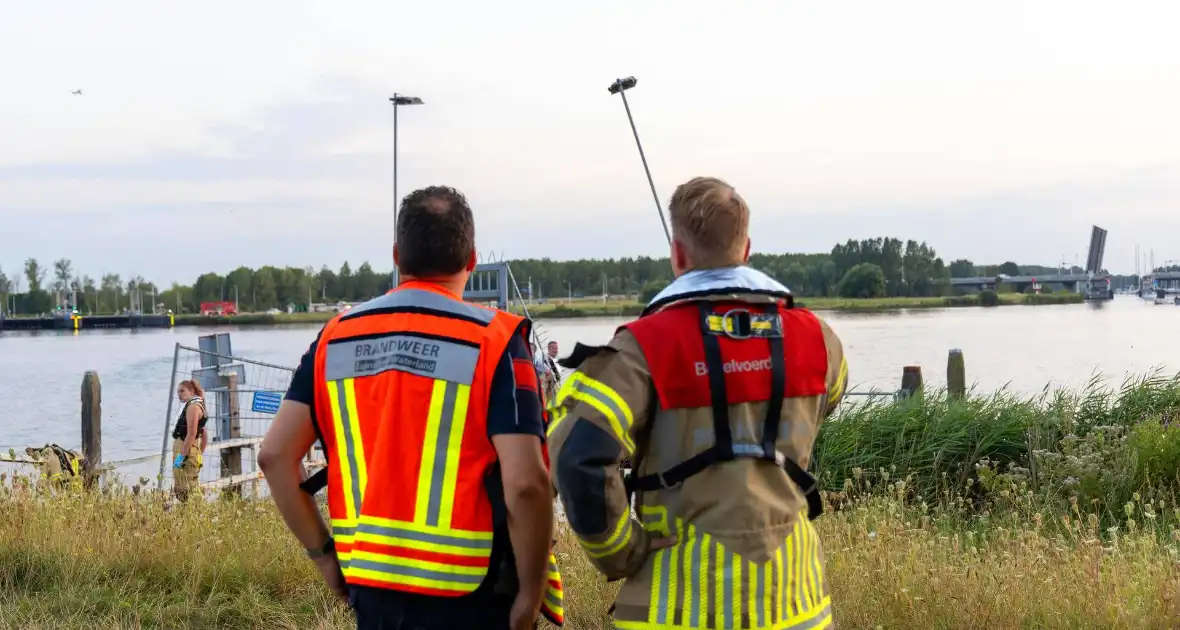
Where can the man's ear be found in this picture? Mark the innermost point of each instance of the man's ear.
(396, 256)
(471, 259)
(746, 255)
(680, 262)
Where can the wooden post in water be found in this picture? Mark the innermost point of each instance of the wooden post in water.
(231, 458)
(91, 427)
(956, 374)
(911, 380)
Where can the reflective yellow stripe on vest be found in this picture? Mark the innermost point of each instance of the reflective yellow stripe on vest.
(553, 604)
(414, 572)
(440, 455)
(434, 503)
(698, 579)
(350, 453)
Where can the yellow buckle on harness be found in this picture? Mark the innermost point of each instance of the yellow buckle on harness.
(740, 323)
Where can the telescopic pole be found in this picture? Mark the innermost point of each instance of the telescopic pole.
(620, 87)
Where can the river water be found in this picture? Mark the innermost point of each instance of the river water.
(1023, 347)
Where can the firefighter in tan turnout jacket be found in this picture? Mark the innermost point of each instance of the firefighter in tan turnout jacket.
(715, 394)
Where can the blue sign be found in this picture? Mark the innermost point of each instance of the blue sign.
(266, 402)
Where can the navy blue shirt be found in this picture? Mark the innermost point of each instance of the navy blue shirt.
(514, 405)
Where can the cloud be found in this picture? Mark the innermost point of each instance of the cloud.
(295, 140)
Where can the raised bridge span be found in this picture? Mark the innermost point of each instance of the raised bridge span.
(1075, 282)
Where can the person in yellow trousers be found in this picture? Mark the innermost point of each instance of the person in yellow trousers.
(188, 439)
(715, 394)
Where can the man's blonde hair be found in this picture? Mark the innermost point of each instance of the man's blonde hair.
(711, 220)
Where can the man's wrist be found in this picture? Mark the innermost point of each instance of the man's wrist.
(532, 595)
(327, 549)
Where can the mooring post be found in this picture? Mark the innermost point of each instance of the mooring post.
(911, 380)
(91, 427)
(231, 458)
(956, 374)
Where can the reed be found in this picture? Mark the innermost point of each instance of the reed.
(1101, 445)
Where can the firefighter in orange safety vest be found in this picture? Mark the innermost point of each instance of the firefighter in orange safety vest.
(715, 394)
(427, 408)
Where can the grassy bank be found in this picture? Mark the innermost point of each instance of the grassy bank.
(878, 304)
(628, 308)
(1056, 511)
(126, 562)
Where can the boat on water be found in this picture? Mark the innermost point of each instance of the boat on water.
(1161, 287)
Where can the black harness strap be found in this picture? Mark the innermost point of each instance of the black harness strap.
(774, 406)
(717, 393)
(808, 484)
(722, 450)
(316, 482)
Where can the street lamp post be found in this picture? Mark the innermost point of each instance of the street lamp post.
(397, 100)
(620, 87)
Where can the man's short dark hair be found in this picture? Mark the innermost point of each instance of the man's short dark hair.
(435, 232)
(552, 343)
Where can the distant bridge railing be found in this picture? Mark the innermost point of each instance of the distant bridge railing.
(896, 394)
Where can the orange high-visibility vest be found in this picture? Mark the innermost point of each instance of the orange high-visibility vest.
(403, 385)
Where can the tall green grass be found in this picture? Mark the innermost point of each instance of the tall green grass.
(1106, 447)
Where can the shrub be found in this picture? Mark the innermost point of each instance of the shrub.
(865, 280)
(989, 298)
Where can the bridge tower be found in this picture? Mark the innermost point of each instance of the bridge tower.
(1096, 286)
(489, 283)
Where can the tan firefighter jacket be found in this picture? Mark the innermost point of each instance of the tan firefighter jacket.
(747, 556)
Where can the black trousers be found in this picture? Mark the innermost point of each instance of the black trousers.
(385, 609)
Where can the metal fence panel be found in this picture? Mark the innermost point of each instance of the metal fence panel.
(242, 397)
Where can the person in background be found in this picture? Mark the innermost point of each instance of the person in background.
(57, 464)
(716, 393)
(548, 371)
(439, 497)
(188, 439)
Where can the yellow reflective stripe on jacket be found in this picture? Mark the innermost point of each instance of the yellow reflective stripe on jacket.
(619, 537)
(605, 401)
(655, 519)
(699, 584)
(351, 457)
(556, 415)
(439, 471)
(837, 389)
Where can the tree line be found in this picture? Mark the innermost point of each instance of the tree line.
(878, 267)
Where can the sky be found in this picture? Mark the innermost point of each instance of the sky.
(217, 134)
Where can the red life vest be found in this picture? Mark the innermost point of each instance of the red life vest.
(716, 354)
